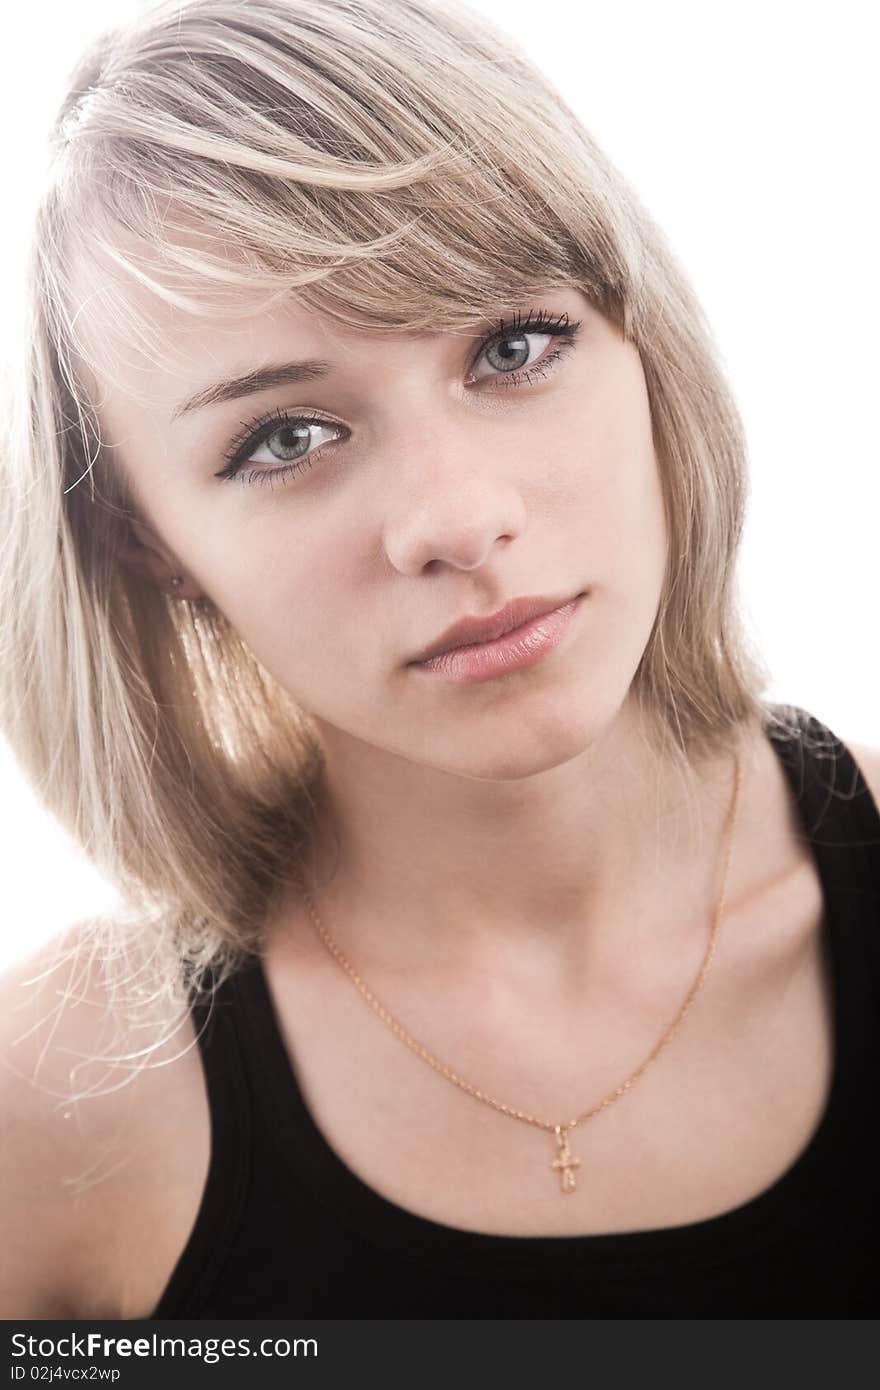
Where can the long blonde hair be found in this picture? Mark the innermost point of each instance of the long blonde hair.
(401, 166)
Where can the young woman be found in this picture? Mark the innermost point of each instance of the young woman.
(372, 497)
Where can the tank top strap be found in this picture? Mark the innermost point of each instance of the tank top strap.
(213, 1013)
(842, 823)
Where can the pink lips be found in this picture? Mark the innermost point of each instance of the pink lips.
(532, 636)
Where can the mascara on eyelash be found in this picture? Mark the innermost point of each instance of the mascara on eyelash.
(534, 320)
(256, 432)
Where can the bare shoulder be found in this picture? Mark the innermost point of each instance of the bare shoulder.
(104, 1143)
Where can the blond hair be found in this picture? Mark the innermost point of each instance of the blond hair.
(401, 166)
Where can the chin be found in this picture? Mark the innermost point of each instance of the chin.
(523, 744)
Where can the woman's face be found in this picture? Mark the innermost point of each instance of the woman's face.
(344, 514)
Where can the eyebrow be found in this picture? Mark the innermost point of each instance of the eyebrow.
(251, 383)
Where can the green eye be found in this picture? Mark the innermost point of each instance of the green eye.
(519, 348)
(291, 442)
(509, 354)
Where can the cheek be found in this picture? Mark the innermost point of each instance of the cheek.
(294, 591)
(612, 483)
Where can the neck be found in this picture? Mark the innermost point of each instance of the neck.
(548, 877)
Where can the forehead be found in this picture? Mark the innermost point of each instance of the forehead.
(132, 339)
(143, 346)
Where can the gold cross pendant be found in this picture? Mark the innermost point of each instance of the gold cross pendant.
(564, 1160)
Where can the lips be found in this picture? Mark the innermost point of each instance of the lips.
(473, 631)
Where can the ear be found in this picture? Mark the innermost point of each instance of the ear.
(145, 554)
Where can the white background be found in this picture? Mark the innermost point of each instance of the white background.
(750, 132)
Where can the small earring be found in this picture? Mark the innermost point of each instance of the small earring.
(176, 581)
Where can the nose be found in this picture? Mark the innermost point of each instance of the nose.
(454, 501)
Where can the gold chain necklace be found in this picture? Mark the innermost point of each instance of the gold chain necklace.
(564, 1162)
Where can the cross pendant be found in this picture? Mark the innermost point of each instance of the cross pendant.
(564, 1160)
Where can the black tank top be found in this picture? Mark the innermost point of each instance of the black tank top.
(285, 1229)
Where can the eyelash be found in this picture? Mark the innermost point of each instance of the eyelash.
(256, 432)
